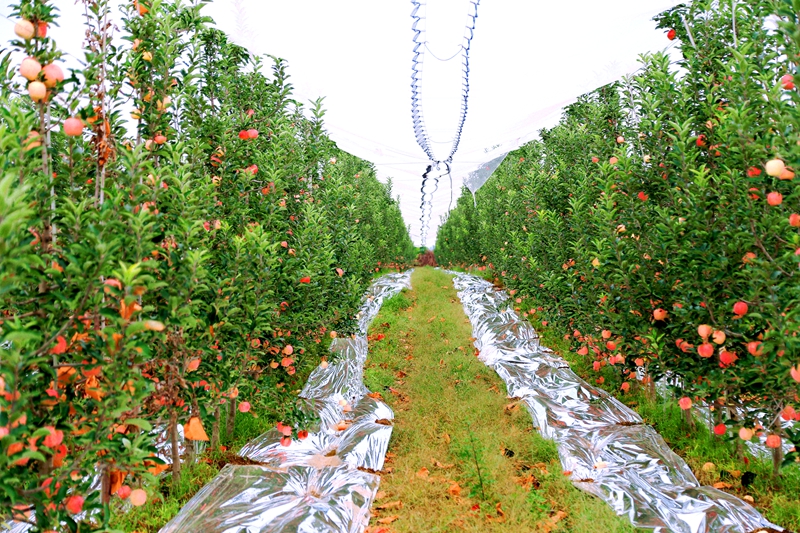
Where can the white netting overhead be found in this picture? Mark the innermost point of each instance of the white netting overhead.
(527, 60)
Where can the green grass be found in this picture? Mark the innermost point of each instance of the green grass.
(462, 456)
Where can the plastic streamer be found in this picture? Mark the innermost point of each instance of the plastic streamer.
(605, 446)
(417, 116)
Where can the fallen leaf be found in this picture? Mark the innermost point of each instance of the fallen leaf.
(551, 522)
(384, 422)
(388, 519)
(446, 438)
(721, 485)
(381, 494)
(454, 490)
(443, 466)
(390, 505)
(423, 473)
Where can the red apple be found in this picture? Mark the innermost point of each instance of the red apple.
(740, 308)
(774, 198)
(660, 314)
(30, 68)
(671, 34)
(37, 91)
(787, 81)
(24, 29)
(52, 75)
(73, 127)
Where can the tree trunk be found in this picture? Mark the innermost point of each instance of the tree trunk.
(231, 419)
(215, 429)
(176, 454)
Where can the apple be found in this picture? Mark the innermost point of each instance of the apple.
(705, 350)
(740, 308)
(642, 196)
(774, 198)
(74, 504)
(24, 29)
(33, 140)
(595, 160)
(660, 314)
(786, 174)
(30, 68)
(625, 387)
(755, 348)
(41, 29)
(620, 139)
(73, 127)
(773, 441)
(704, 330)
(794, 220)
(124, 491)
(52, 75)
(720, 429)
(37, 91)
(252, 133)
(611, 346)
(671, 34)
(606, 334)
(701, 141)
(160, 139)
(137, 498)
(746, 434)
(685, 403)
(243, 135)
(775, 167)
(244, 407)
(718, 337)
(613, 160)
(787, 81)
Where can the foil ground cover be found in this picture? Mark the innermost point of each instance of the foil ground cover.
(313, 485)
(604, 444)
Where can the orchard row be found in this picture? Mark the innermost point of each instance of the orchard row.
(179, 241)
(658, 222)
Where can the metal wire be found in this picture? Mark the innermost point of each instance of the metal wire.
(417, 116)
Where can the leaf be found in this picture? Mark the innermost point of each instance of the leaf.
(390, 505)
(388, 519)
(423, 473)
(454, 490)
(141, 423)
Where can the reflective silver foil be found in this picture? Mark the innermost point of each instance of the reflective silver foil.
(606, 447)
(313, 485)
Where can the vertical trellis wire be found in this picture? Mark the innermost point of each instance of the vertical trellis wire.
(420, 131)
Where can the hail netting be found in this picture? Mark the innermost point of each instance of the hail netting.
(432, 124)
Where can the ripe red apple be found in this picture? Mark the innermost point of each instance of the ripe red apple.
(30, 68)
(74, 504)
(660, 314)
(611, 346)
(774, 199)
(252, 133)
(753, 172)
(243, 135)
(625, 387)
(746, 433)
(302, 434)
(671, 34)
(740, 308)
(701, 140)
(775, 167)
(718, 337)
(620, 139)
(613, 160)
(160, 139)
(642, 196)
(755, 348)
(24, 29)
(704, 330)
(685, 403)
(52, 75)
(787, 81)
(37, 91)
(786, 174)
(244, 407)
(794, 220)
(124, 491)
(720, 429)
(595, 160)
(606, 334)
(73, 127)
(773, 441)
(705, 350)
(41, 29)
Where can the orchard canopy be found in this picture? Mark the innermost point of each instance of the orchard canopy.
(527, 61)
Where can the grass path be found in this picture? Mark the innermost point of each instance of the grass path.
(463, 457)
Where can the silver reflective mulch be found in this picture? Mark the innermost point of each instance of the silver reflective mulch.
(605, 445)
(313, 485)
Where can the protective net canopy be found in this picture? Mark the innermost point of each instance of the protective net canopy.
(525, 60)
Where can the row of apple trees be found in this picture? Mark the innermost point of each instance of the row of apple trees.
(659, 222)
(179, 241)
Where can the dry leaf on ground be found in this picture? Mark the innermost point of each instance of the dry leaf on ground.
(390, 505)
(423, 472)
(388, 519)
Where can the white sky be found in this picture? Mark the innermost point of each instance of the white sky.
(528, 60)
